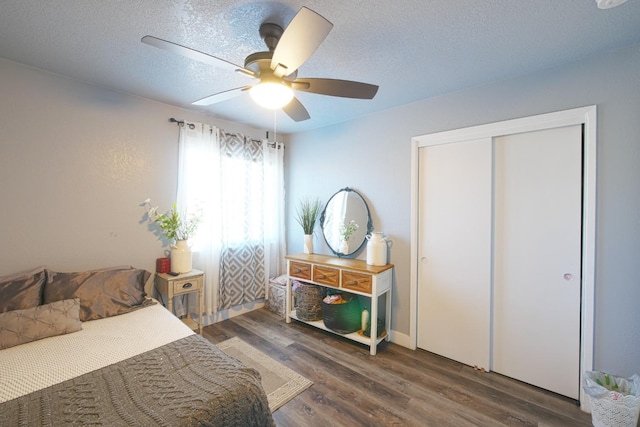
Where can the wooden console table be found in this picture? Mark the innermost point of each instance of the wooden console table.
(347, 275)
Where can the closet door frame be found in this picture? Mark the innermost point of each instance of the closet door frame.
(585, 116)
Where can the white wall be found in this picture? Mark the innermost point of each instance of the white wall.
(372, 155)
(76, 161)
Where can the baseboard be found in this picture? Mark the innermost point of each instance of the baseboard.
(232, 312)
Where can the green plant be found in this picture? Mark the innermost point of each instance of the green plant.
(307, 214)
(348, 230)
(171, 223)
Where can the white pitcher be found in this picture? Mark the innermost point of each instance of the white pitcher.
(181, 257)
(376, 248)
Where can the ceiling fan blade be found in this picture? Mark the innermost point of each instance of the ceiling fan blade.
(333, 87)
(296, 110)
(220, 96)
(305, 33)
(194, 54)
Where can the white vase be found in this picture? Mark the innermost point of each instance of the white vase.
(344, 247)
(308, 243)
(376, 249)
(181, 257)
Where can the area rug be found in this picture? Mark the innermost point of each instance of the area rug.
(280, 383)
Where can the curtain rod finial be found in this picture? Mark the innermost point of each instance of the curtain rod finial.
(181, 123)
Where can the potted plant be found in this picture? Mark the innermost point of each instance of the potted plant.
(178, 228)
(345, 233)
(307, 215)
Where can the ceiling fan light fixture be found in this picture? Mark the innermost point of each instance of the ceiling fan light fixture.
(277, 69)
(271, 95)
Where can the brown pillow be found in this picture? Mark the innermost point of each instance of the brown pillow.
(102, 293)
(32, 324)
(23, 290)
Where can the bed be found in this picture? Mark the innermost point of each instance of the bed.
(113, 358)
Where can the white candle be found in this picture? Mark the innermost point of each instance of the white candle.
(365, 319)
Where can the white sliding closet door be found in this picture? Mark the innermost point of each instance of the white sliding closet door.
(537, 258)
(454, 242)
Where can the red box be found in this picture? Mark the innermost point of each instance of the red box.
(163, 265)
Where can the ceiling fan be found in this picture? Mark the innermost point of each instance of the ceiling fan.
(277, 69)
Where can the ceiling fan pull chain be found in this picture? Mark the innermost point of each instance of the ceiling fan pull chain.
(275, 129)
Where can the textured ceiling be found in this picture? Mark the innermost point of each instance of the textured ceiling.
(412, 49)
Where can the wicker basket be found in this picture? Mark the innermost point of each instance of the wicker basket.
(309, 301)
(343, 318)
(277, 297)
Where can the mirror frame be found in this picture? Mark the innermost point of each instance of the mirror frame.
(336, 251)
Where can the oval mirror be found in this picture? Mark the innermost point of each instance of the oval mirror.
(345, 222)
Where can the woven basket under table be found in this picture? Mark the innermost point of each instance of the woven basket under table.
(309, 301)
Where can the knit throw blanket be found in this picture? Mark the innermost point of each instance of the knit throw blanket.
(189, 382)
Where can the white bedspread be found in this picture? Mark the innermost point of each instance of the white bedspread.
(33, 366)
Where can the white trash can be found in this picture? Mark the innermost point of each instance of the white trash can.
(615, 402)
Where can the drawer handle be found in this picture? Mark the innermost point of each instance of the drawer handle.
(353, 283)
(322, 276)
(296, 271)
(187, 285)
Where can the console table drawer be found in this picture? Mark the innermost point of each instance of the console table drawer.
(356, 281)
(326, 275)
(300, 270)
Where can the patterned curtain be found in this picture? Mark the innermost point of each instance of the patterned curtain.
(242, 255)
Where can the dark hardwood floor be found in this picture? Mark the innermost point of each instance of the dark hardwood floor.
(397, 387)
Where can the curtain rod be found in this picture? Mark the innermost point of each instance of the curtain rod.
(182, 123)
(274, 144)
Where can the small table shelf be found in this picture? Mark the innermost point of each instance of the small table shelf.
(347, 275)
(354, 336)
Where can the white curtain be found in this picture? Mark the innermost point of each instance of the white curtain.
(207, 183)
(199, 190)
(275, 243)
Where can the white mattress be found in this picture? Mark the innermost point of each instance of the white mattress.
(36, 365)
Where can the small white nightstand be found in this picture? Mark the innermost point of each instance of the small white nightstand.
(182, 284)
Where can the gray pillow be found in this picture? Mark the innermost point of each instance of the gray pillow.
(22, 290)
(32, 324)
(102, 293)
